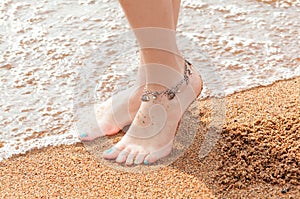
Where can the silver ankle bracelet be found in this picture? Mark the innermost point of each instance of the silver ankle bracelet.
(170, 92)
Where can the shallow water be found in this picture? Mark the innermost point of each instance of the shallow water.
(52, 50)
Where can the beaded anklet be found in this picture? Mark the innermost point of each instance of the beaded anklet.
(170, 92)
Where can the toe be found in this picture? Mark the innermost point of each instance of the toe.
(122, 157)
(82, 136)
(86, 136)
(156, 155)
(139, 159)
(90, 134)
(111, 153)
(130, 158)
(149, 159)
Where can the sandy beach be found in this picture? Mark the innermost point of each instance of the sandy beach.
(59, 56)
(258, 156)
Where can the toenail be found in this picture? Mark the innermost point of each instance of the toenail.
(108, 151)
(83, 135)
(146, 162)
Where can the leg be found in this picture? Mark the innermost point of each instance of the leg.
(176, 8)
(154, 25)
(175, 11)
(108, 122)
(150, 136)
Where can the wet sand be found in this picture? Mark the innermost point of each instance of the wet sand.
(258, 156)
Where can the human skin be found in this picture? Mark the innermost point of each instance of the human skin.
(150, 136)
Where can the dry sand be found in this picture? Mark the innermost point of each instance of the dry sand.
(257, 157)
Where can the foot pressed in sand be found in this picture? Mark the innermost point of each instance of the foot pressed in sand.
(151, 134)
(114, 114)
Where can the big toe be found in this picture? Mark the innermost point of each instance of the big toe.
(156, 155)
(103, 130)
(91, 135)
(112, 153)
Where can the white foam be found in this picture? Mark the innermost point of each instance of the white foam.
(49, 47)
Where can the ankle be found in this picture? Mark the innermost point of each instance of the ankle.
(167, 86)
(174, 60)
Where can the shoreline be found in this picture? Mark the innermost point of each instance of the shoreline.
(48, 49)
(256, 158)
(202, 99)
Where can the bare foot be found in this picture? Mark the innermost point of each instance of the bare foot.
(114, 114)
(151, 134)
